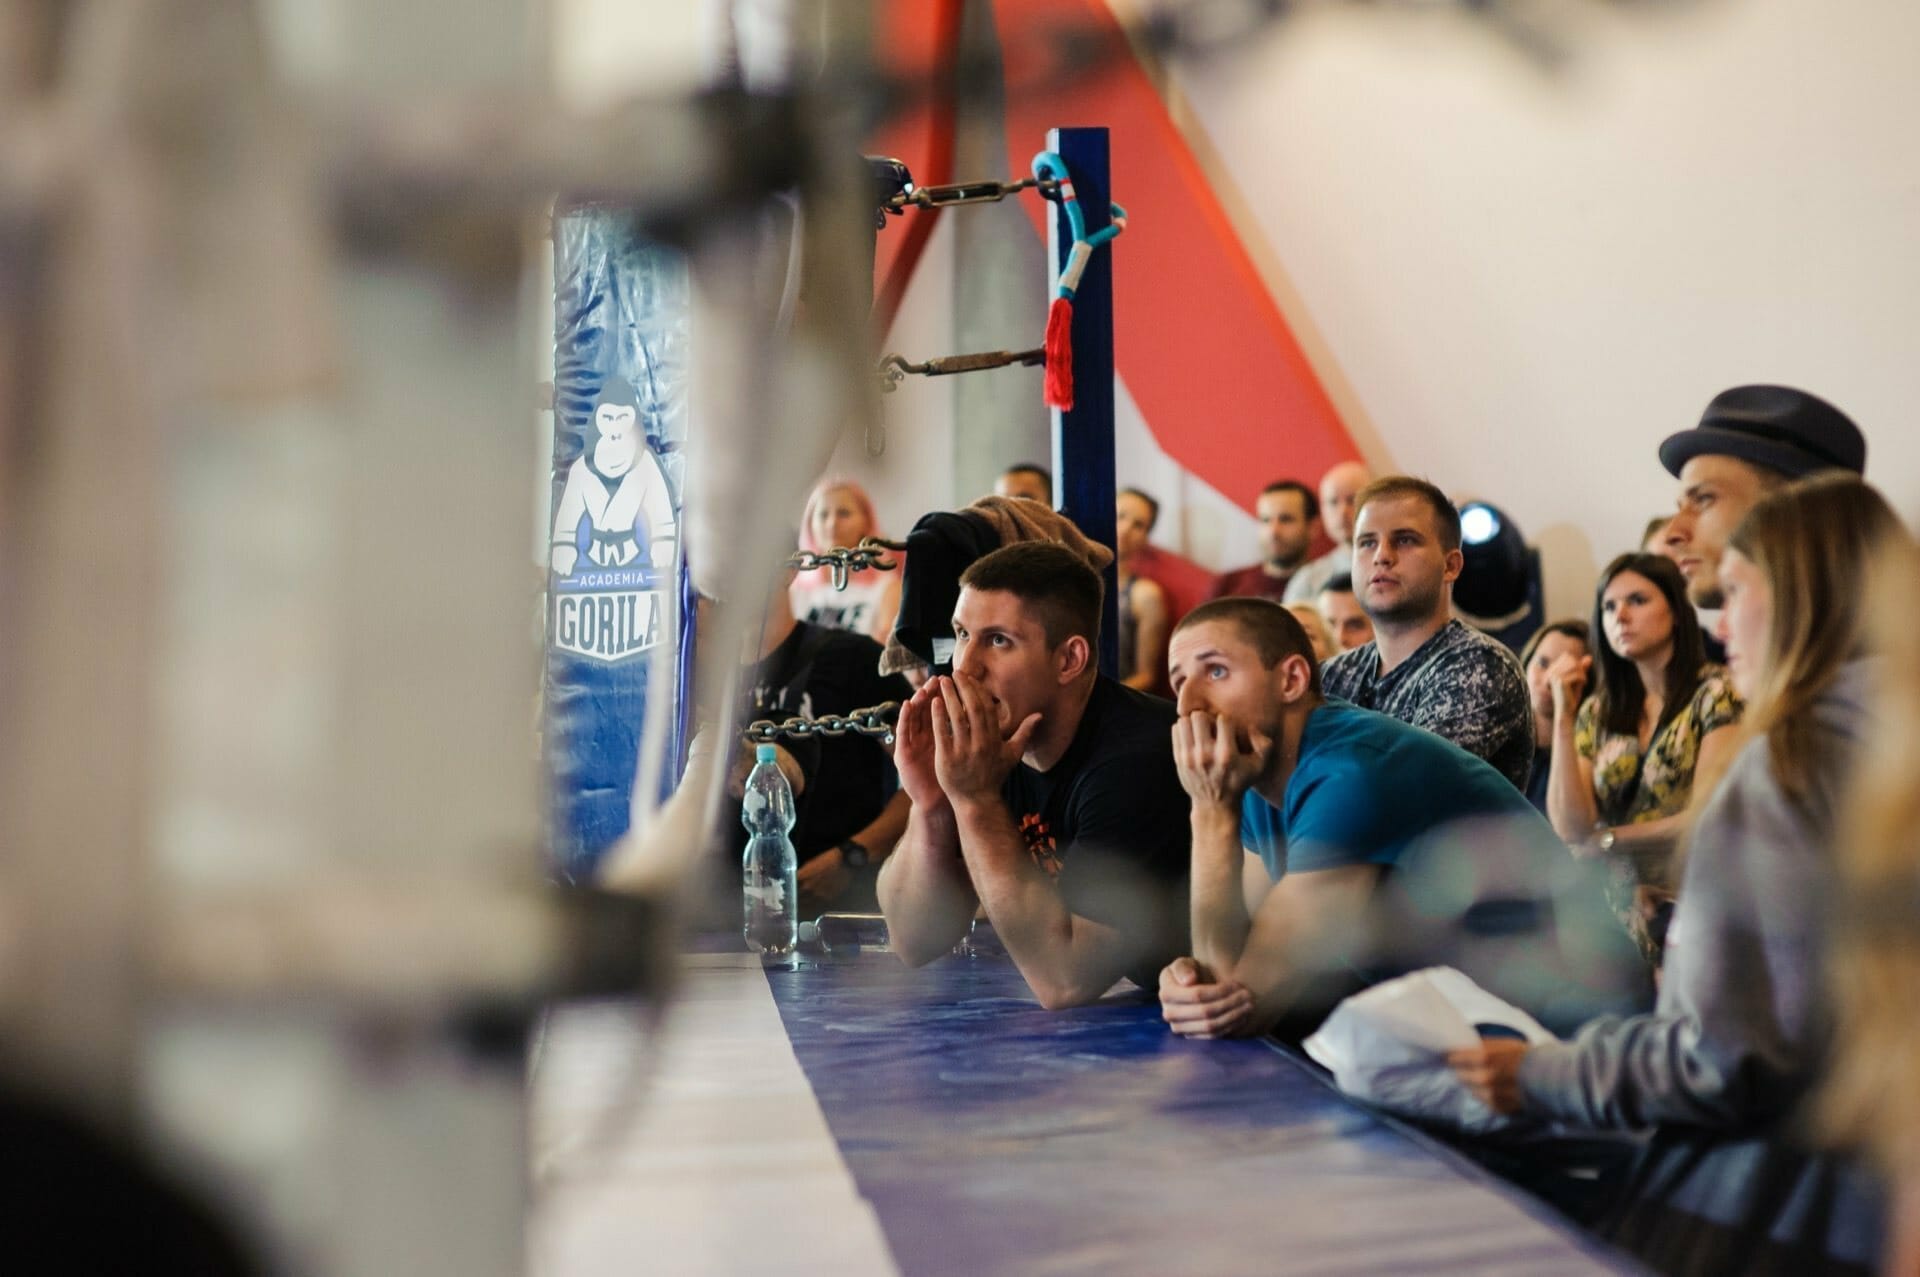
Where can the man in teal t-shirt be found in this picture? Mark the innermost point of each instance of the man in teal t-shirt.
(1364, 786)
(1301, 809)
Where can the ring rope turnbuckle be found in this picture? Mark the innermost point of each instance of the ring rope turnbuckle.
(954, 193)
(895, 369)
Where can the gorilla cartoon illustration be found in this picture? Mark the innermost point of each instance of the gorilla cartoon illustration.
(615, 509)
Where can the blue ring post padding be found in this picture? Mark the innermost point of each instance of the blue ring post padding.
(1083, 437)
(994, 1137)
(621, 307)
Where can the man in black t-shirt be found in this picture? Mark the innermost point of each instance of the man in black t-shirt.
(1041, 790)
(849, 811)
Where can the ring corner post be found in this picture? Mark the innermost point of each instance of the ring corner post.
(1083, 446)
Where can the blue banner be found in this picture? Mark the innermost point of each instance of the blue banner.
(621, 308)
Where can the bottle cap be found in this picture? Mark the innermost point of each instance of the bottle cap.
(763, 754)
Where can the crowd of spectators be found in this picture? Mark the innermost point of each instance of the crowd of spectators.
(1224, 822)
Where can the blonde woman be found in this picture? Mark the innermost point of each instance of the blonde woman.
(1316, 627)
(1729, 1182)
(1874, 1100)
(839, 513)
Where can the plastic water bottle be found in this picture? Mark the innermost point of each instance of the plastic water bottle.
(770, 890)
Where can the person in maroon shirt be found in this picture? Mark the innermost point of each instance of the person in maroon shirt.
(1289, 516)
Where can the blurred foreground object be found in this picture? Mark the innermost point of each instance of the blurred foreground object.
(1873, 1100)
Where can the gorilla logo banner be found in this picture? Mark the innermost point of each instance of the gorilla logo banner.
(614, 537)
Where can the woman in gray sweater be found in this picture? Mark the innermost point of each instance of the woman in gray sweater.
(1731, 1181)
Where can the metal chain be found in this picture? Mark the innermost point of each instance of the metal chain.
(875, 720)
(869, 554)
(988, 192)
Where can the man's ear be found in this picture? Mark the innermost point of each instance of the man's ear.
(1296, 678)
(1072, 658)
(1456, 561)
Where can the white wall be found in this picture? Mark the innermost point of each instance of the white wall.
(1196, 519)
(1525, 282)
(1513, 282)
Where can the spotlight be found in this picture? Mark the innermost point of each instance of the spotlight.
(1499, 586)
(1479, 523)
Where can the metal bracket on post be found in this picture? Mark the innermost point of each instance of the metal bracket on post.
(1083, 434)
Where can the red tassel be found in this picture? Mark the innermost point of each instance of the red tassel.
(1060, 354)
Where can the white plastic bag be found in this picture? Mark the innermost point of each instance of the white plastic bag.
(1388, 1045)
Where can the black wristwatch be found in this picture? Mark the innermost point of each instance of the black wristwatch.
(854, 855)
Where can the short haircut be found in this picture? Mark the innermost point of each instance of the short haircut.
(1445, 517)
(1658, 523)
(1274, 633)
(1055, 583)
(1338, 583)
(1039, 472)
(1572, 627)
(1153, 507)
(1309, 499)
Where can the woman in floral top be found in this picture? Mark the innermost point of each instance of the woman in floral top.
(1625, 759)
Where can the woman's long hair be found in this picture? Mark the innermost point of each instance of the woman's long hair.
(1815, 543)
(1873, 1099)
(1618, 692)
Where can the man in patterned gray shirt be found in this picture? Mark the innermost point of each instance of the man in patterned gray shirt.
(1424, 666)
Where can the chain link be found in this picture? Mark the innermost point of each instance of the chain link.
(871, 553)
(875, 720)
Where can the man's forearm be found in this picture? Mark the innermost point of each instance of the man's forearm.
(1029, 917)
(1220, 922)
(923, 887)
(1302, 935)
